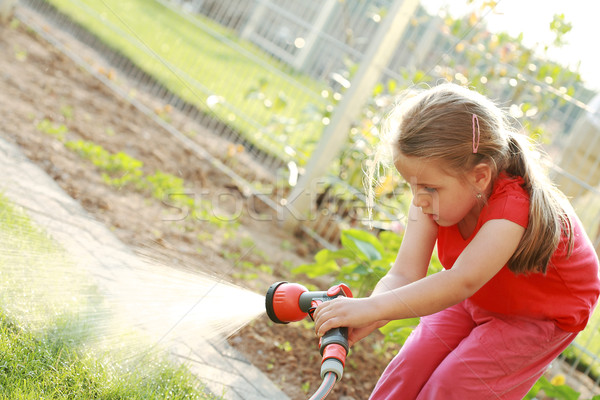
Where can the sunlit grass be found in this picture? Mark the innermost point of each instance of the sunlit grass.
(46, 318)
(50, 366)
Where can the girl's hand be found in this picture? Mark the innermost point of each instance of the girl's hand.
(357, 334)
(356, 314)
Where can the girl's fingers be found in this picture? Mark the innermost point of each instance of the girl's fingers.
(322, 316)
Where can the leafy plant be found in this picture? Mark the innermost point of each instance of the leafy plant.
(165, 185)
(397, 331)
(364, 259)
(118, 169)
(555, 391)
(50, 128)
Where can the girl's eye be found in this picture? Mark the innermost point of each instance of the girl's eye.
(430, 190)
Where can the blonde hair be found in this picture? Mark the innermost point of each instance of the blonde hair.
(437, 124)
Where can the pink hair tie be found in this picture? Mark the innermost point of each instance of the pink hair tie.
(475, 142)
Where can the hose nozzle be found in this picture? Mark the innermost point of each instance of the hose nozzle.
(288, 302)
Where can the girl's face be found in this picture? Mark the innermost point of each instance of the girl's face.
(444, 198)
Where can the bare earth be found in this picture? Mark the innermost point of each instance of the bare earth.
(38, 83)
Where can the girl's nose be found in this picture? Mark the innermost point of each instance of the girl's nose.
(421, 200)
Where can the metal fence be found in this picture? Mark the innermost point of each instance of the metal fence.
(327, 42)
(299, 60)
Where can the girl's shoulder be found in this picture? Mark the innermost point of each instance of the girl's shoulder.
(508, 185)
(508, 200)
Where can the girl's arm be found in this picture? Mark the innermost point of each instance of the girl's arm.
(414, 254)
(487, 253)
(411, 263)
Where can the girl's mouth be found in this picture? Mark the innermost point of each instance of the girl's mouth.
(434, 217)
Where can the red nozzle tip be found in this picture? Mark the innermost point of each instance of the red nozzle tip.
(282, 302)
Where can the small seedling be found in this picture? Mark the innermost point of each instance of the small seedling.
(46, 126)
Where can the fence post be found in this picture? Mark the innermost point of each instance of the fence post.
(376, 59)
(581, 155)
(258, 14)
(312, 36)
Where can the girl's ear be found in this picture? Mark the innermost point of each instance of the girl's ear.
(481, 177)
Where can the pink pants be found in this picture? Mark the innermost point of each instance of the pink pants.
(465, 352)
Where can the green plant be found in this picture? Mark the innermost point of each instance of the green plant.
(554, 391)
(285, 346)
(305, 387)
(118, 169)
(46, 126)
(364, 259)
(361, 262)
(164, 185)
(20, 54)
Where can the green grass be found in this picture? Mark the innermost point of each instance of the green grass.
(203, 59)
(50, 366)
(29, 260)
(43, 334)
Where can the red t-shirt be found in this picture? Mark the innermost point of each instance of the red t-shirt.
(567, 293)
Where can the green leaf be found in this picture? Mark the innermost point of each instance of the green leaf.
(390, 241)
(561, 392)
(317, 269)
(378, 89)
(349, 268)
(398, 324)
(399, 330)
(326, 255)
(392, 85)
(364, 245)
(280, 102)
(361, 269)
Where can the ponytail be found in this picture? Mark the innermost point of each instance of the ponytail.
(548, 218)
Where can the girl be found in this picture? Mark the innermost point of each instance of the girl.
(520, 276)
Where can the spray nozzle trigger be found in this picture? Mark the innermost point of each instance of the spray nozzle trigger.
(339, 290)
(313, 306)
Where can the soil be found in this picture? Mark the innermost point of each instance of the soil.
(39, 83)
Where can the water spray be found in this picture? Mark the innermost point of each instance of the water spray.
(288, 302)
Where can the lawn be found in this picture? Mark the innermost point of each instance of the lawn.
(44, 324)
